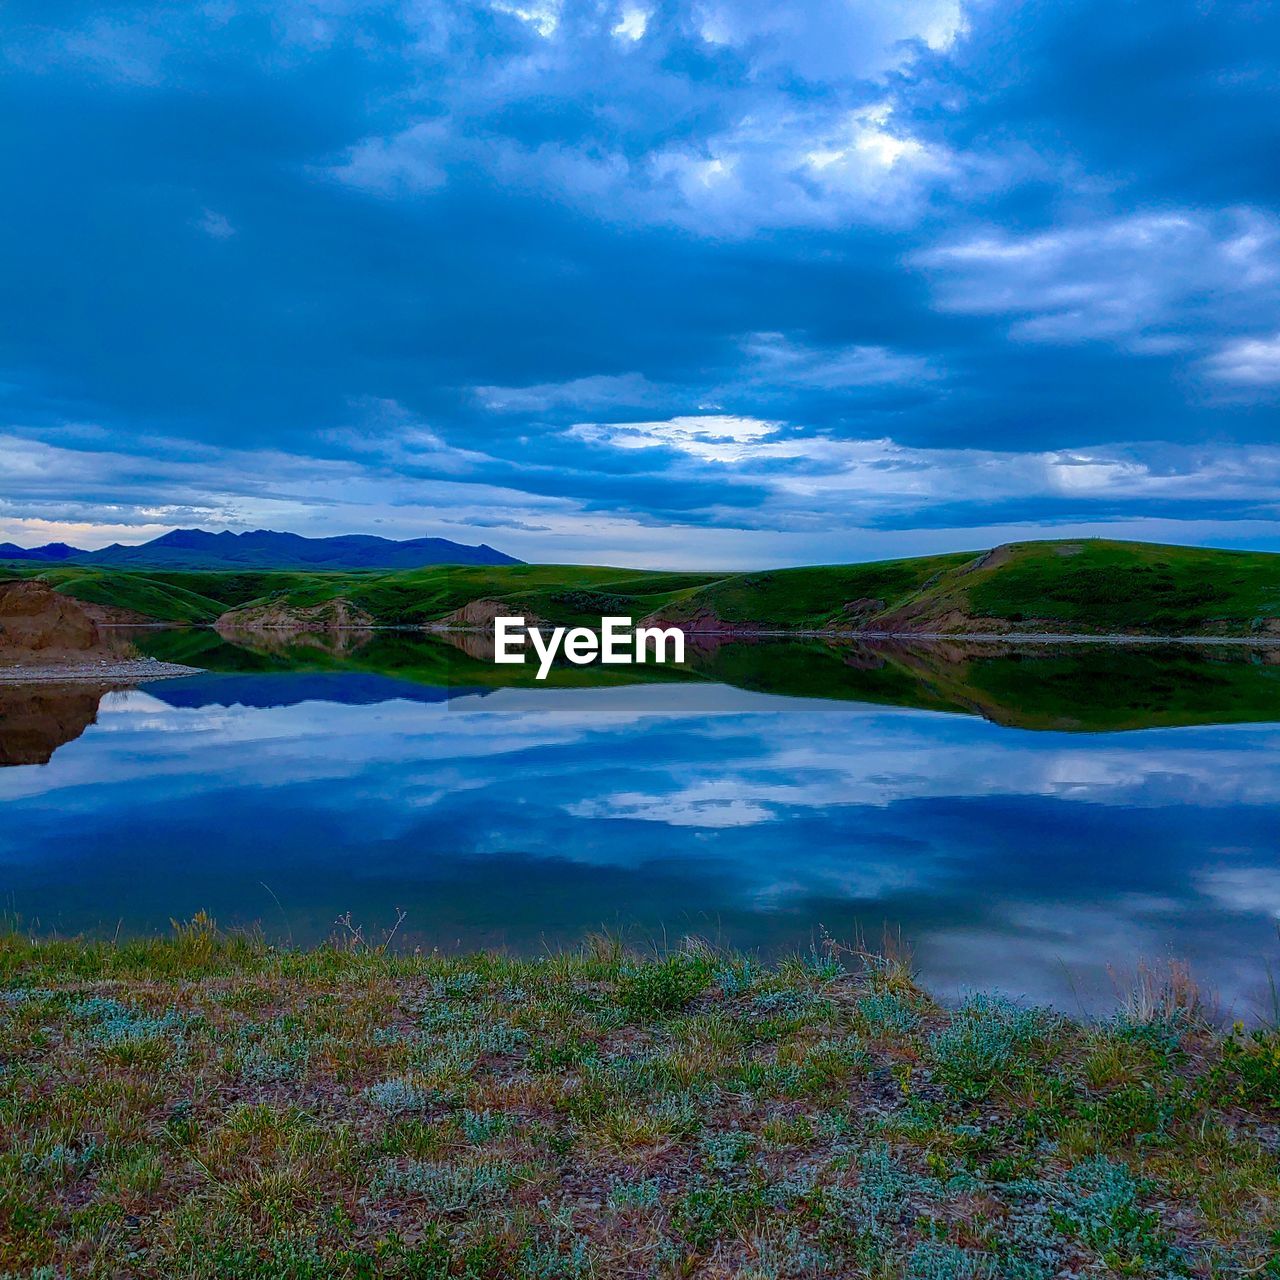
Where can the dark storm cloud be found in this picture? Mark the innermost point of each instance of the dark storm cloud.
(334, 263)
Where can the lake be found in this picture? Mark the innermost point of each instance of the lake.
(1038, 821)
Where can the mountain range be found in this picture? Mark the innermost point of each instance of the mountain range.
(264, 549)
(55, 552)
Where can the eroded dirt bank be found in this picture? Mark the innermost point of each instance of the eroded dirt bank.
(46, 637)
(338, 614)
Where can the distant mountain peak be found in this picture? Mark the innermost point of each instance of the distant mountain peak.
(189, 538)
(272, 549)
(51, 552)
(266, 549)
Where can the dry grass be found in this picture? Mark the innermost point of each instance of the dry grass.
(203, 1106)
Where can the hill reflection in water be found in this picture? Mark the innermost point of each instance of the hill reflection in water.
(1075, 687)
(37, 719)
(765, 790)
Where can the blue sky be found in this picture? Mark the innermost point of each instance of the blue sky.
(691, 282)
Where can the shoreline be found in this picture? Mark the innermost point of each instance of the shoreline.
(734, 632)
(1047, 637)
(141, 670)
(126, 671)
(1118, 639)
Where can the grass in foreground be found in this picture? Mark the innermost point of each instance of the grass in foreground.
(204, 1106)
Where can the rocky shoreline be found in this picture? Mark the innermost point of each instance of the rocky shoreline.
(48, 638)
(105, 671)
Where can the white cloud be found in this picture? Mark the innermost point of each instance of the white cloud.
(820, 478)
(1247, 362)
(1247, 890)
(632, 25)
(767, 491)
(711, 438)
(408, 483)
(384, 429)
(215, 225)
(804, 769)
(781, 166)
(1149, 282)
(779, 361)
(130, 53)
(595, 391)
(763, 154)
(1088, 474)
(771, 362)
(34, 531)
(707, 805)
(830, 39)
(775, 166)
(406, 163)
(867, 140)
(543, 15)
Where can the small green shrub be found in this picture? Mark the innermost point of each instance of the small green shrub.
(1099, 1205)
(662, 987)
(933, 1261)
(484, 1126)
(736, 979)
(108, 1022)
(987, 1036)
(639, 1193)
(399, 1096)
(888, 1011)
(447, 1187)
(1251, 1067)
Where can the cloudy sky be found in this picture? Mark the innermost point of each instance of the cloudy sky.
(647, 281)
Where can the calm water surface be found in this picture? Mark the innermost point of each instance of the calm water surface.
(1006, 814)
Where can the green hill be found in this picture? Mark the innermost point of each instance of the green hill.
(1083, 587)
(572, 594)
(179, 597)
(1089, 587)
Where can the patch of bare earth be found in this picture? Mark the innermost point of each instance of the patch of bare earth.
(36, 620)
(47, 638)
(481, 615)
(705, 621)
(332, 615)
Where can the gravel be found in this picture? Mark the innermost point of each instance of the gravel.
(130, 670)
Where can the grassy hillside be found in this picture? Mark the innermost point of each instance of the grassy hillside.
(1082, 587)
(572, 594)
(180, 597)
(576, 594)
(135, 593)
(816, 598)
(1078, 587)
(208, 1107)
(1126, 586)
